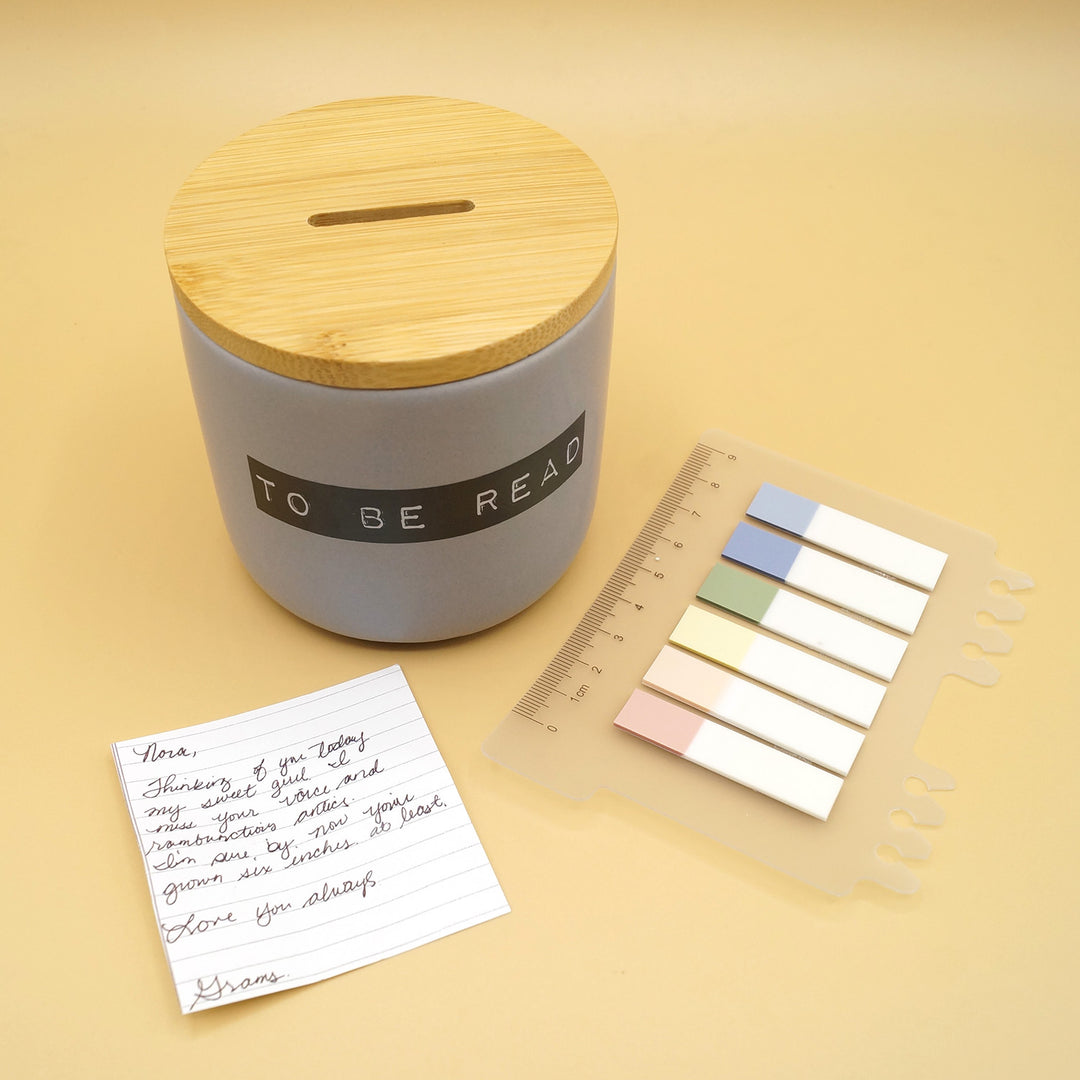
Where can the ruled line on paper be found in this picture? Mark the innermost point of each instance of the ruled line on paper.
(352, 937)
(318, 850)
(165, 827)
(285, 706)
(411, 722)
(168, 737)
(318, 878)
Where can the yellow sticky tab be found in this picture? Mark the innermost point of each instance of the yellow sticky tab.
(714, 637)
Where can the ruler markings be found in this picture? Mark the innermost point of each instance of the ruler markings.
(620, 580)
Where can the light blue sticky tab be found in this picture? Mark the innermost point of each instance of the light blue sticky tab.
(784, 509)
(763, 551)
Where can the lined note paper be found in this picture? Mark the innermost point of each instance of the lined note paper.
(303, 840)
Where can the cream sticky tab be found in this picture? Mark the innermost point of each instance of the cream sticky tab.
(780, 666)
(850, 536)
(821, 628)
(862, 591)
(731, 755)
(755, 710)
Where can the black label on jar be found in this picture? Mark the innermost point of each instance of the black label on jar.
(381, 516)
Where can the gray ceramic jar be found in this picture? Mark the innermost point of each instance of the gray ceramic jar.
(397, 319)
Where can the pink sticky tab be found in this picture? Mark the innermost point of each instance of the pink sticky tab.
(660, 722)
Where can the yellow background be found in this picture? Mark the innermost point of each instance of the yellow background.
(850, 234)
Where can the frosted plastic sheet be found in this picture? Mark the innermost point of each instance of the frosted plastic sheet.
(561, 733)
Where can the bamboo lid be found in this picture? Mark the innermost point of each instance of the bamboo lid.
(391, 242)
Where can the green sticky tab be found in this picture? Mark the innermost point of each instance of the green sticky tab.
(738, 592)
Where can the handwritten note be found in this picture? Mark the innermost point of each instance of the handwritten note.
(303, 840)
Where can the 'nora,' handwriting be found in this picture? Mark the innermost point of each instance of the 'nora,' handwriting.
(383, 516)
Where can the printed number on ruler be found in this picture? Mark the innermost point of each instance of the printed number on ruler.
(629, 620)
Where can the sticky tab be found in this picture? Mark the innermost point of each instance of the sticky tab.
(818, 627)
(780, 666)
(880, 598)
(850, 536)
(731, 755)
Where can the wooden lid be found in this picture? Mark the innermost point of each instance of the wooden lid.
(391, 242)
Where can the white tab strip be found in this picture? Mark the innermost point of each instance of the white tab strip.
(834, 634)
(877, 547)
(760, 767)
(878, 598)
(815, 681)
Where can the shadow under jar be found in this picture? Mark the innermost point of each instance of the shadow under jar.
(396, 314)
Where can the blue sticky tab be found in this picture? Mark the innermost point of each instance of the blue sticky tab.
(784, 509)
(762, 551)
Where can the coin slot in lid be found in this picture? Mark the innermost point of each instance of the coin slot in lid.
(392, 213)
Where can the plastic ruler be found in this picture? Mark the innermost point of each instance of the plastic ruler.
(617, 637)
